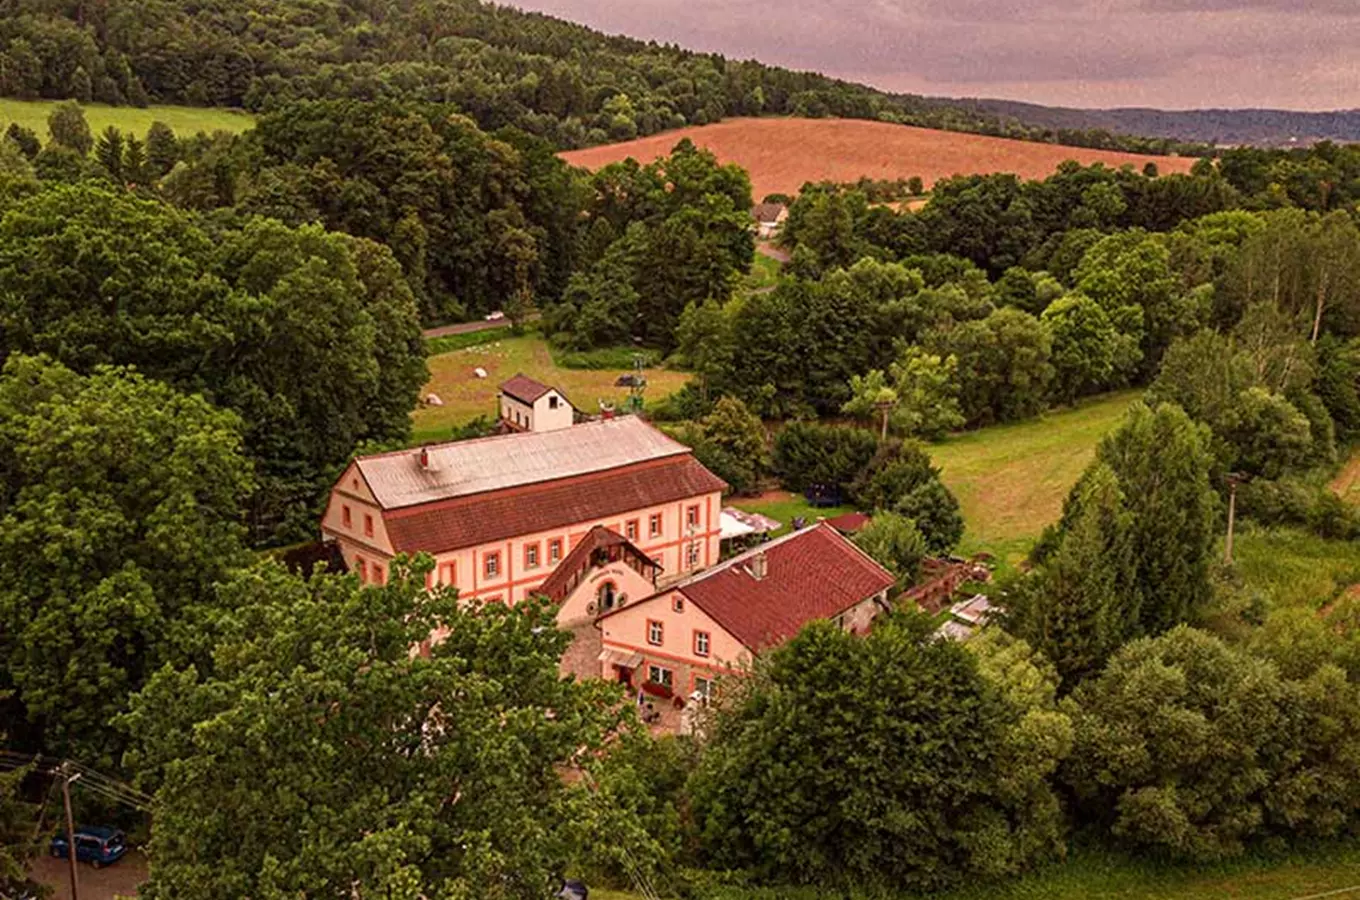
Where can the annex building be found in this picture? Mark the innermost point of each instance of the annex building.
(681, 638)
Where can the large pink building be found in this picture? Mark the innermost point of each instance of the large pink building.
(500, 514)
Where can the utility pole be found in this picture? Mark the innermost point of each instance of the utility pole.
(1234, 479)
(66, 780)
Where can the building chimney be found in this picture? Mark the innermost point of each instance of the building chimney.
(424, 458)
(760, 566)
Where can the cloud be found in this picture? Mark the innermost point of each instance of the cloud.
(1173, 53)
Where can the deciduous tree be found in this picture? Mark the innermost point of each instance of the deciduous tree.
(320, 755)
(66, 123)
(895, 543)
(818, 769)
(120, 508)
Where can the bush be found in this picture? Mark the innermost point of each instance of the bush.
(809, 453)
(1290, 501)
(1193, 749)
(602, 358)
(901, 478)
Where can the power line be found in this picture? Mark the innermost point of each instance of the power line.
(95, 781)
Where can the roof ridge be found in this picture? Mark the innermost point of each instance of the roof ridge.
(744, 555)
(486, 439)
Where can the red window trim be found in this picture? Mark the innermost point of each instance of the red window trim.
(695, 641)
(555, 550)
(346, 516)
(660, 524)
(678, 603)
(538, 555)
(488, 559)
(451, 568)
(368, 525)
(633, 525)
(692, 515)
(660, 630)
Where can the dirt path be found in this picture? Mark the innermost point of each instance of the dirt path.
(768, 248)
(118, 880)
(1347, 484)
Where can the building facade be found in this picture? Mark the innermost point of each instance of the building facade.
(500, 514)
(688, 634)
(528, 405)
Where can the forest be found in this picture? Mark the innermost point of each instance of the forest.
(198, 331)
(502, 67)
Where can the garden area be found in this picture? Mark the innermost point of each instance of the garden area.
(465, 396)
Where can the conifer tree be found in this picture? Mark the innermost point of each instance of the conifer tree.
(1082, 603)
(109, 151)
(1162, 461)
(162, 149)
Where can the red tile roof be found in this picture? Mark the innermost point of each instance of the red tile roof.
(524, 388)
(849, 523)
(568, 572)
(811, 574)
(468, 521)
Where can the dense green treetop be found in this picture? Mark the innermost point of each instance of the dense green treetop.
(120, 508)
(282, 325)
(318, 754)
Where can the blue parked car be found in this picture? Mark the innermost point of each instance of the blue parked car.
(96, 845)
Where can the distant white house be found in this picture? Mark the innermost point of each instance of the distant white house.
(769, 217)
(528, 405)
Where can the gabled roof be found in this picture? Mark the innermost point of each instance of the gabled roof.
(463, 468)
(768, 212)
(498, 515)
(810, 574)
(568, 572)
(525, 389)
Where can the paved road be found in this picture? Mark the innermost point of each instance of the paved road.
(466, 327)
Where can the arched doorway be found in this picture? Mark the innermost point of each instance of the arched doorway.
(606, 596)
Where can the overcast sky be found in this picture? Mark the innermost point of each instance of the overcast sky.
(1175, 54)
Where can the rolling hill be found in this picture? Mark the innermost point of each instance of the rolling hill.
(782, 154)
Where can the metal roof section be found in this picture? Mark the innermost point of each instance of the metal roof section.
(462, 468)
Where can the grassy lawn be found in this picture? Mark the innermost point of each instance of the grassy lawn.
(185, 120)
(1331, 870)
(1293, 567)
(785, 507)
(764, 272)
(1011, 480)
(466, 396)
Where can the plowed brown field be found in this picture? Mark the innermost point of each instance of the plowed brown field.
(783, 154)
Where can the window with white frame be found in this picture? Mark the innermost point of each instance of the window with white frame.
(491, 566)
(701, 641)
(692, 556)
(656, 632)
(555, 550)
(654, 525)
(660, 675)
(703, 687)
